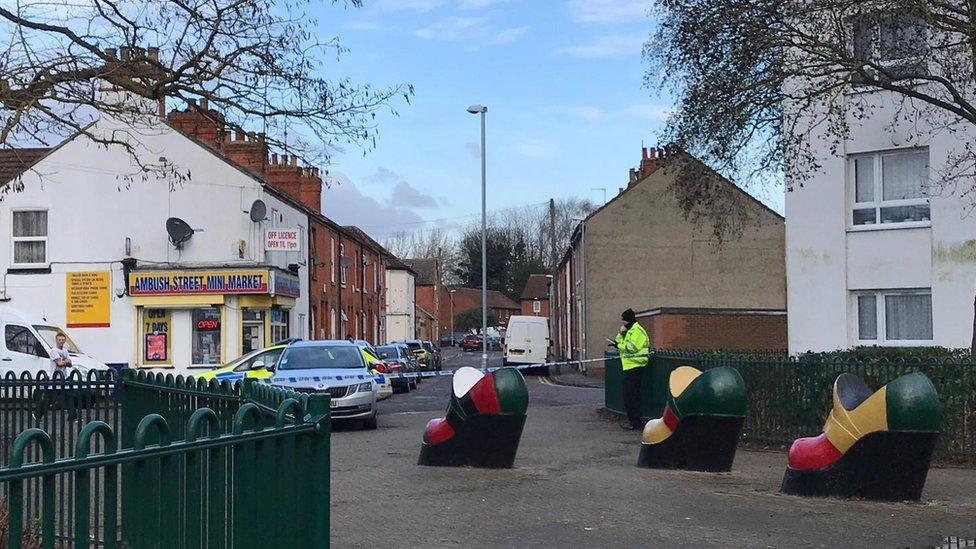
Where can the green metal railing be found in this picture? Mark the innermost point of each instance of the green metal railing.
(190, 464)
(790, 397)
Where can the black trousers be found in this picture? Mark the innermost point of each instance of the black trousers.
(632, 396)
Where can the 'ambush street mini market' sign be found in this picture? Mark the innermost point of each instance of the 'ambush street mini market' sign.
(254, 281)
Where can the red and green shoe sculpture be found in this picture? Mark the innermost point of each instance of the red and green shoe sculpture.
(483, 424)
(701, 424)
(875, 445)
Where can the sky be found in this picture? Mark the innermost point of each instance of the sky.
(568, 111)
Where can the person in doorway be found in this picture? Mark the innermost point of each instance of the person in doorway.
(62, 360)
(632, 342)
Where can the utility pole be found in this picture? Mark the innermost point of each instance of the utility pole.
(554, 254)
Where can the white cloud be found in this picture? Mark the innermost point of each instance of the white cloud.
(536, 148)
(608, 11)
(364, 25)
(347, 205)
(658, 113)
(474, 30)
(616, 45)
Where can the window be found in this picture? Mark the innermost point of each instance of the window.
(890, 187)
(29, 236)
(206, 335)
(894, 317)
(19, 339)
(362, 279)
(536, 306)
(332, 325)
(279, 325)
(332, 262)
(342, 264)
(376, 276)
(895, 40)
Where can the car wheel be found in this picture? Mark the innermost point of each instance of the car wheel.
(370, 424)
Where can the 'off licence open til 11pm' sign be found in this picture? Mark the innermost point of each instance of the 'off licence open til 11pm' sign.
(282, 240)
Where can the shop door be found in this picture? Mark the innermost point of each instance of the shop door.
(253, 336)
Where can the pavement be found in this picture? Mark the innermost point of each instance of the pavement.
(575, 485)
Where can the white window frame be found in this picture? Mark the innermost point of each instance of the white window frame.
(332, 324)
(876, 53)
(879, 307)
(536, 306)
(342, 268)
(45, 239)
(332, 260)
(363, 263)
(879, 202)
(302, 239)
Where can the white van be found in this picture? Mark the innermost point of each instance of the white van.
(527, 340)
(28, 345)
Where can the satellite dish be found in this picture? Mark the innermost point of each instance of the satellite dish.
(258, 211)
(179, 231)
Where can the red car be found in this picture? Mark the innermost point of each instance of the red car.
(471, 342)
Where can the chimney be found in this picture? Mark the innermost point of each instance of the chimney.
(300, 182)
(200, 122)
(651, 159)
(248, 150)
(131, 69)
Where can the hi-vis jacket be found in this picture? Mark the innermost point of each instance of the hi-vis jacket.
(633, 347)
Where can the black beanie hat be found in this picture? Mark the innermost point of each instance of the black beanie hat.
(628, 316)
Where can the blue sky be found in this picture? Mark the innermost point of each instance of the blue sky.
(563, 82)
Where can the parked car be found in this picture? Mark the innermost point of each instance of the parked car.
(30, 345)
(258, 364)
(527, 341)
(423, 357)
(400, 361)
(494, 343)
(450, 339)
(377, 366)
(314, 366)
(471, 342)
(435, 354)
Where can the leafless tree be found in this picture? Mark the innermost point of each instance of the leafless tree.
(261, 64)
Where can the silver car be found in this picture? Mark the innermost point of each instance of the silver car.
(336, 367)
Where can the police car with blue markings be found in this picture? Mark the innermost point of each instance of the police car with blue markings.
(335, 367)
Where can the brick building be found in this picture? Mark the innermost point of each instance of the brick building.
(461, 300)
(429, 285)
(695, 292)
(347, 268)
(535, 296)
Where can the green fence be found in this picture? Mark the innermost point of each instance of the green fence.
(789, 398)
(186, 463)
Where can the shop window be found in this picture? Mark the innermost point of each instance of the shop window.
(279, 325)
(206, 336)
(29, 237)
(156, 336)
(890, 188)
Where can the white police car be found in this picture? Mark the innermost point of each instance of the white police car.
(336, 367)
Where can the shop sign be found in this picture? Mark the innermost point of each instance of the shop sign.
(87, 299)
(282, 240)
(156, 327)
(254, 281)
(286, 285)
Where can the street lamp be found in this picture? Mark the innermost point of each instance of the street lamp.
(482, 110)
(451, 294)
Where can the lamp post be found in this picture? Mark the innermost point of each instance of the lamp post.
(482, 110)
(451, 294)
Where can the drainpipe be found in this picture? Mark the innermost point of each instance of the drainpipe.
(583, 320)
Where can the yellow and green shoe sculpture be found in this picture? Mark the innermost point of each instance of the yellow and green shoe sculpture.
(483, 423)
(701, 424)
(874, 445)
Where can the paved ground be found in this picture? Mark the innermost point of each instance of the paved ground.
(575, 485)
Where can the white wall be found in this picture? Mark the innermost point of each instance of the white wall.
(401, 320)
(96, 197)
(827, 259)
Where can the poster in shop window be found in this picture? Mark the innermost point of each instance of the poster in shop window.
(156, 327)
(87, 299)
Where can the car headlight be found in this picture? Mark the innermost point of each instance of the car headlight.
(365, 387)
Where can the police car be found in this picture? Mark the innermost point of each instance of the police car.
(257, 364)
(335, 367)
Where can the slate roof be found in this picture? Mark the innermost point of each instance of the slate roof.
(536, 287)
(426, 270)
(14, 162)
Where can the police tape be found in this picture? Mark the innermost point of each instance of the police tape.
(381, 378)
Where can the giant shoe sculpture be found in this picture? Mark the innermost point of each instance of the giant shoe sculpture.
(875, 446)
(484, 421)
(701, 424)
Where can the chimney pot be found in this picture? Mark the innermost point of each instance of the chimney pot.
(251, 136)
(126, 53)
(274, 159)
(315, 172)
(261, 137)
(154, 54)
(191, 102)
(110, 52)
(204, 104)
(644, 153)
(238, 135)
(294, 160)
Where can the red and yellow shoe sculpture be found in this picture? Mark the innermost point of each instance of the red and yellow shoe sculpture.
(483, 424)
(701, 424)
(874, 445)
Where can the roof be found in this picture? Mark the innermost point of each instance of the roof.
(14, 162)
(536, 287)
(470, 298)
(426, 270)
(394, 264)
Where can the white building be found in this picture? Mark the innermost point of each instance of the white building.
(401, 301)
(89, 250)
(879, 251)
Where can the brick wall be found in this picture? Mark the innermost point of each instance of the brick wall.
(527, 307)
(715, 330)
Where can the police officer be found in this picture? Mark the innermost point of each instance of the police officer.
(632, 342)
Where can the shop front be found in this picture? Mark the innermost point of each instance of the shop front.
(201, 318)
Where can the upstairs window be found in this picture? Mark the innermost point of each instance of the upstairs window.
(332, 261)
(29, 236)
(895, 40)
(342, 264)
(890, 187)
